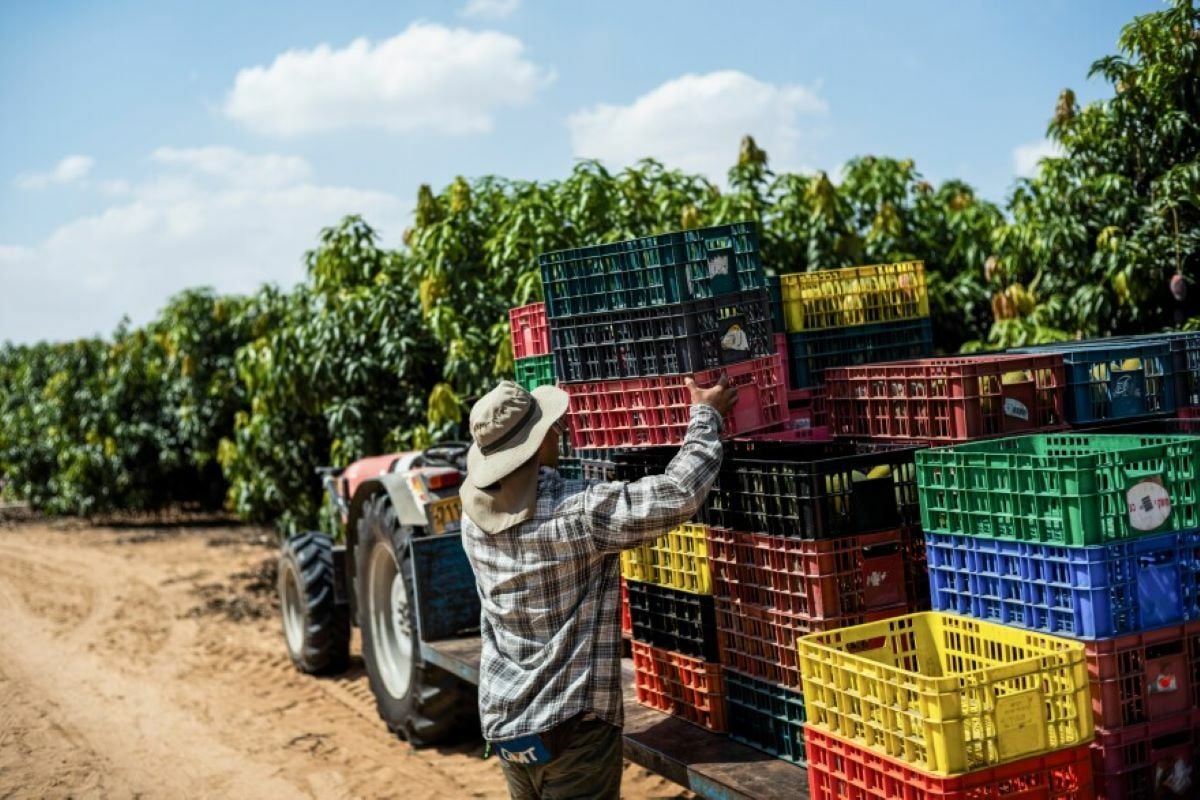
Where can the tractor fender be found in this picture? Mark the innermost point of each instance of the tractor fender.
(408, 512)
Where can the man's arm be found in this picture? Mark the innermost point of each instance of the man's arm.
(620, 515)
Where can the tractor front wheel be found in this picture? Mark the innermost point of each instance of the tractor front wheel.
(315, 626)
(419, 702)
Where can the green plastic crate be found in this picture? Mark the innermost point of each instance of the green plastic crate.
(1068, 489)
(535, 372)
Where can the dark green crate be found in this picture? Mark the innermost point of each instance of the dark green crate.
(811, 352)
(652, 270)
(775, 293)
(1069, 489)
(765, 716)
(535, 372)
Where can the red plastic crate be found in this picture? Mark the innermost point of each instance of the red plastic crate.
(626, 619)
(1157, 760)
(530, 332)
(681, 685)
(839, 769)
(761, 641)
(781, 349)
(815, 580)
(1188, 412)
(655, 411)
(1145, 676)
(807, 408)
(944, 400)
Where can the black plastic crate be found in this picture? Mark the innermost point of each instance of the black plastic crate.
(592, 469)
(668, 340)
(652, 270)
(916, 570)
(775, 295)
(673, 620)
(813, 490)
(570, 467)
(765, 716)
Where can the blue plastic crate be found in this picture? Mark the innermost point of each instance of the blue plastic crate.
(652, 270)
(447, 601)
(1105, 383)
(765, 716)
(1085, 592)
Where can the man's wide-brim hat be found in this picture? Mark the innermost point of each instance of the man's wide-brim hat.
(509, 425)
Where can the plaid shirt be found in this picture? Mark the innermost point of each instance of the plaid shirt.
(550, 587)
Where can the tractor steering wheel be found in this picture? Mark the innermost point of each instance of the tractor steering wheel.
(446, 454)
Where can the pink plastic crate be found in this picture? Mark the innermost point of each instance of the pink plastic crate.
(655, 411)
(530, 333)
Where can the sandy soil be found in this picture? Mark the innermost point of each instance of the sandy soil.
(147, 661)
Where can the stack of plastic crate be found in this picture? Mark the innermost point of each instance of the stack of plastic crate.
(630, 320)
(673, 626)
(799, 537)
(932, 706)
(857, 315)
(802, 537)
(1093, 537)
(531, 345)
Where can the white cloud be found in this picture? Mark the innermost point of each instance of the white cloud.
(69, 170)
(233, 166)
(695, 123)
(428, 78)
(1027, 156)
(205, 217)
(490, 9)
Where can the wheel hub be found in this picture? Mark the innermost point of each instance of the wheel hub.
(293, 611)
(389, 619)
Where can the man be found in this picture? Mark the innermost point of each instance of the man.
(546, 555)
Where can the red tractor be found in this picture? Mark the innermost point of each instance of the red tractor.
(397, 570)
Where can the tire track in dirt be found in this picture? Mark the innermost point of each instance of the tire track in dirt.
(114, 661)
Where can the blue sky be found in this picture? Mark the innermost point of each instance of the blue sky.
(151, 146)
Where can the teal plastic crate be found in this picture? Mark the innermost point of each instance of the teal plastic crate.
(1070, 489)
(652, 270)
(535, 372)
(765, 716)
(811, 352)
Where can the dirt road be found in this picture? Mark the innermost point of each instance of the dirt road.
(148, 662)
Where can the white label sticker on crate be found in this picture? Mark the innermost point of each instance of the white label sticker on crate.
(1164, 682)
(718, 264)
(1016, 409)
(1149, 504)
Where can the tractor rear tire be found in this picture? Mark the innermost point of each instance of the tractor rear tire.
(315, 626)
(419, 702)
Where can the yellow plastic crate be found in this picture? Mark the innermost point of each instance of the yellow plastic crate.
(945, 693)
(836, 298)
(678, 559)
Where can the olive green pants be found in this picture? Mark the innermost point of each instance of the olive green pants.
(588, 769)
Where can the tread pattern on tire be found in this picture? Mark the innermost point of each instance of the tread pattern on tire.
(327, 635)
(440, 707)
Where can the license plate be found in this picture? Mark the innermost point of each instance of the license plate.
(445, 514)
